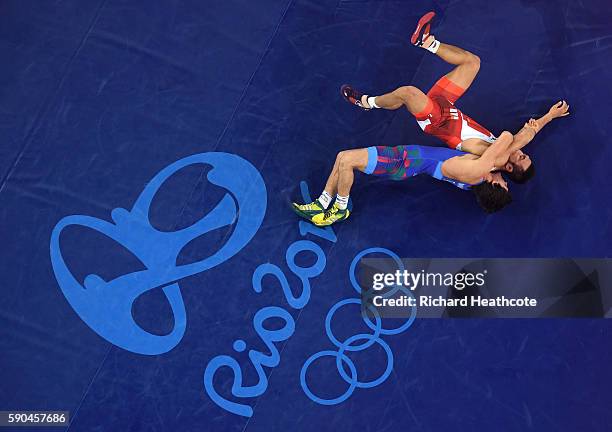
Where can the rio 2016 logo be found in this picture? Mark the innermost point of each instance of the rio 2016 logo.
(106, 306)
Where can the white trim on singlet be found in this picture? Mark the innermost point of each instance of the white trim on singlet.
(468, 132)
(423, 123)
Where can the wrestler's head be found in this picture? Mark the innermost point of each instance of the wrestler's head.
(519, 167)
(492, 194)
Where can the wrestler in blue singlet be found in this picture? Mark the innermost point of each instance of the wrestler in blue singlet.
(401, 162)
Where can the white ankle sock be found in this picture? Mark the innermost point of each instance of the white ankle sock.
(342, 201)
(434, 46)
(372, 102)
(325, 199)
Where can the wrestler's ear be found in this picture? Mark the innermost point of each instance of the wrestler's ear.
(509, 167)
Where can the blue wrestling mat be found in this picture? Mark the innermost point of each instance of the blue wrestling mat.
(154, 278)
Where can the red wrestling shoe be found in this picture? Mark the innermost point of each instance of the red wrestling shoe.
(422, 31)
(352, 96)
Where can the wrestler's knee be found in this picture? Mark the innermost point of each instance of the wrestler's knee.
(340, 155)
(351, 159)
(407, 93)
(473, 61)
(344, 160)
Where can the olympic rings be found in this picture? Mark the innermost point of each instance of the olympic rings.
(368, 384)
(335, 341)
(365, 252)
(347, 345)
(357, 287)
(352, 382)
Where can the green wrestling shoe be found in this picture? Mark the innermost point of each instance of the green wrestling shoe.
(334, 214)
(307, 211)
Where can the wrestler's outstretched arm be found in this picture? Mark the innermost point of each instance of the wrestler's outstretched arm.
(532, 127)
(523, 137)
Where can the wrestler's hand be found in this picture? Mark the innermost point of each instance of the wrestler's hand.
(533, 125)
(560, 109)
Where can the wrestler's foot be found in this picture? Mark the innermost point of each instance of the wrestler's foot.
(334, 214)
(355, 97)
(307, 211)
(422, 30)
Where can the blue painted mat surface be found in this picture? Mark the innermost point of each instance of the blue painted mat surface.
(98, 97)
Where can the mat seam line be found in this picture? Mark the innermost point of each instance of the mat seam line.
(252, 77)
(76, 412)
(48, 102)
(238, 104)
(40, 116)
(296, 321)
(244, 92)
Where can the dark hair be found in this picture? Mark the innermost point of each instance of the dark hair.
(518, 175)
(491, 197)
